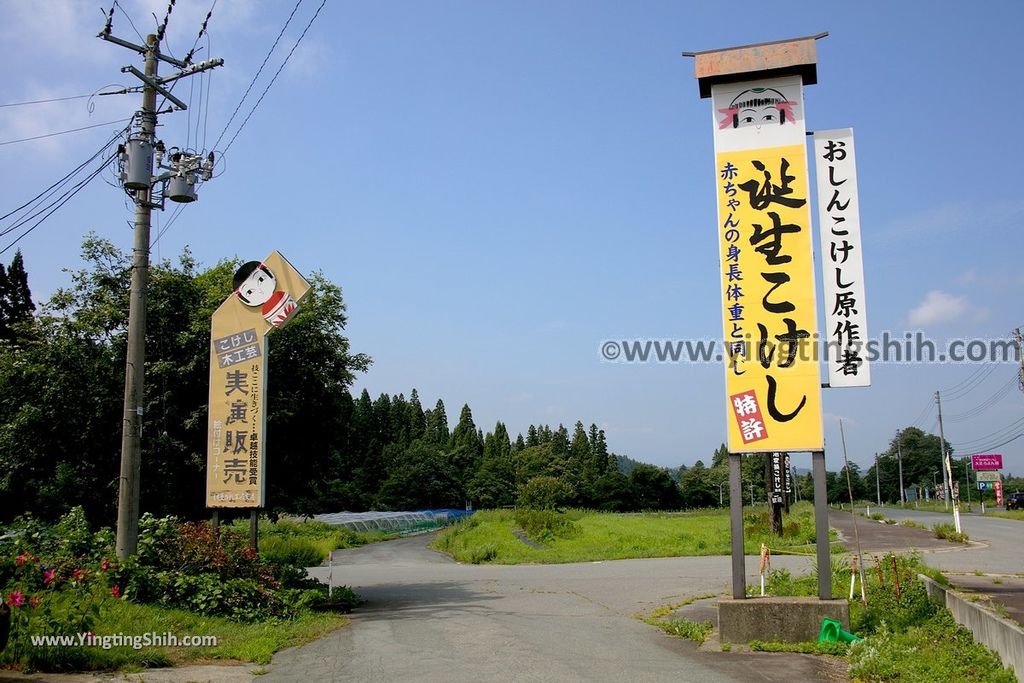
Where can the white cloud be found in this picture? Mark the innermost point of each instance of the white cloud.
(938, 307)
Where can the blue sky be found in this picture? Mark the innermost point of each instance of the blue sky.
(500, 187)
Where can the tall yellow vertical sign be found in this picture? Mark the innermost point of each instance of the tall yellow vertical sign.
(773, 386)
(266, 295)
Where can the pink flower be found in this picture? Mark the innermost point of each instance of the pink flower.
(105, 564)
(49, 575)
(22, 559)
(16, 598)
(116, 591)
(78, 574)
(34, 601)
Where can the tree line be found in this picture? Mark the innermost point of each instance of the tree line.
(61, 392)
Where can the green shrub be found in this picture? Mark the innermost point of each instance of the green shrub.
(546, 525)
(295, 551)
(948, 531)
(696, 631)
(545, 493)
(935, 650)
(483, 553)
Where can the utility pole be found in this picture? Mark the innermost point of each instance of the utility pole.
(183, 173)
(942, 452)
(878, 485)
(1019, 339)
(947, 469)
(899, 459)
(131, 434)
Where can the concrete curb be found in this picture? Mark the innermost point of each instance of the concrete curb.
(1000, 635)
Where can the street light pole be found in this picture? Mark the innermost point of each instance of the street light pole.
(720, 499)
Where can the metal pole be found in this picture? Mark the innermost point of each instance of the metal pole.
(821, 526)
(131, 436)
(751, 494)
(739, 577)
(899, 458)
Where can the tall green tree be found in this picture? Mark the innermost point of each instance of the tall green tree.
(16, 305)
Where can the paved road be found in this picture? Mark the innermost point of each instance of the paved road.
(997, 549)
(430, 619)
(992, 565)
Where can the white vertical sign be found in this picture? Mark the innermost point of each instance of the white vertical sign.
(842, 262)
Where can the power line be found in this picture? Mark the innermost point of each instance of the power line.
(923, 415)
(52, 99)
(258, 72)
(64, 132)
(276, 74)
(202, 30)
(962, 382)
(998, 434)
(979, 378)
(64, 179)
(999, 395)
(130, 22)
(67, 197)
(168, 224)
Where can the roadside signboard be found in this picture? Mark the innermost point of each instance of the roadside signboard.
(987, 475)
(999, 492)
(267, 294)
(983, 485)
(769, 316)
(842, 263)
(988, 461)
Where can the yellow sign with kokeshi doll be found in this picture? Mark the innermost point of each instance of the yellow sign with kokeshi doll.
(266, 295)
(773, 386)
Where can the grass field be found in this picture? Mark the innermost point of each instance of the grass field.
(254, 643)
(1006, 514)
(490, 536)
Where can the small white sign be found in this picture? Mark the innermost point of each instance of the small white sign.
(987, 475)
(842, 262)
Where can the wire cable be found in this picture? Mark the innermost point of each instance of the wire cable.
(130, 22)
(923, 415)
(257, 75)
(167, 226)
(78, 188)
(52, 99)
(276, 74)
(41, 199)
(995, 398)
(979, 378)
(64, 132)
(998, 434)
(65, 178)
(971, 376)
(202, 30)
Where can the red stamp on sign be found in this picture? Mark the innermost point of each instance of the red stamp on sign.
(748, 416)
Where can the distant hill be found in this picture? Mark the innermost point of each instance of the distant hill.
(628, 464)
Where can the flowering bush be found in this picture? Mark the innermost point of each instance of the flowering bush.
(192, 566)
(58, 593)
(54, 580)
